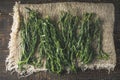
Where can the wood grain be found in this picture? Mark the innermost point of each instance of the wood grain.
(5, 29)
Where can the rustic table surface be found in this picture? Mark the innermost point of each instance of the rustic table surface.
(5, 29)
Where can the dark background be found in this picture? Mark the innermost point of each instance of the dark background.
(5, 29)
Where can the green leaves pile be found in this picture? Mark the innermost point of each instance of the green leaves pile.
(63, 43)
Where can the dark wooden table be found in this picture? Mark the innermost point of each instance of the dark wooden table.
(5, 29)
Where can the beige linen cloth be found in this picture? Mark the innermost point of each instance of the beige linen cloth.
(104, 10)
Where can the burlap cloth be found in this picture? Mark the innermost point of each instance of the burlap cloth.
(104, 10)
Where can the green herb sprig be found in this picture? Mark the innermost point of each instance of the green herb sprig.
(62, 44)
